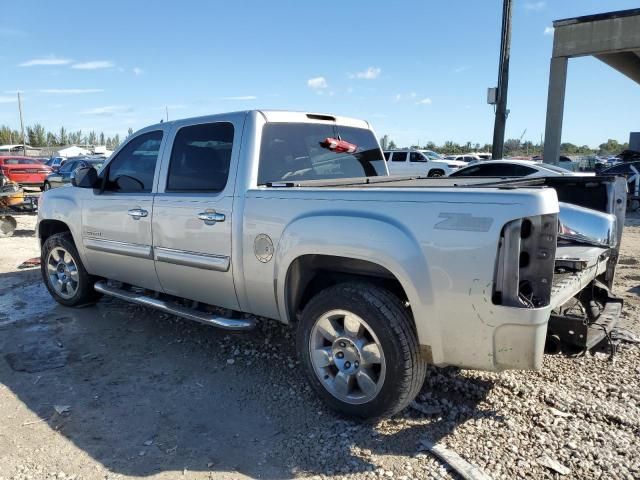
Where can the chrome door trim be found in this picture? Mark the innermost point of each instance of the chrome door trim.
(120, 248)
(192, 259)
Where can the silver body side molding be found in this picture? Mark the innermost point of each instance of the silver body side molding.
(192, 259)
(120, 248)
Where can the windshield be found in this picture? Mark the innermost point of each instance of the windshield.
(301, 151)
(433, 155)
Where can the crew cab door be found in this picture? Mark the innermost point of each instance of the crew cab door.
(192, 212)
(116, 223)
(398, 164)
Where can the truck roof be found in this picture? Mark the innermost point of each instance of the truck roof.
(277, 116)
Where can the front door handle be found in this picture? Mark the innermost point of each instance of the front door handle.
(137, 213)
(211, 217)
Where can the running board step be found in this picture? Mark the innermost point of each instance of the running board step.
(167, 307)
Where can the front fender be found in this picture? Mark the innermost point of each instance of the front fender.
(373, 238)
(63, 205)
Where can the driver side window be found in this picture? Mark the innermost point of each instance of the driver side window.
(132, 170)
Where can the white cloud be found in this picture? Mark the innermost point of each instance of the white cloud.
(548, 31)
(370, 73)
(70, 91)
(108, 110)
(424, 101)
(317, 82)
(93, 65)
(137, 71)
(399, 97)
(45, 61)
(240, 97)
(4, 99)
(535, 6)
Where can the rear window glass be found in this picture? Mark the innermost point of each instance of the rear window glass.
(297, 151)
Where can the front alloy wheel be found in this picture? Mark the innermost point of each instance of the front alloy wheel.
(63, 272)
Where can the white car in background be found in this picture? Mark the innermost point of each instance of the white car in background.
(515, 168)
(419, 162)
(467, 158)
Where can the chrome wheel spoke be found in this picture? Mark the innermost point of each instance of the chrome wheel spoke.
(341, 383)
(322, 357)
(327, 329)
(371, 353)
(352, 326)
(51, 268)
(55, 255)
(365, 382)
(73, 273)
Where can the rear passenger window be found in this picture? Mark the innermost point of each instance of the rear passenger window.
(399, 157)
(416, 157)
(133, 168)
(200, 158)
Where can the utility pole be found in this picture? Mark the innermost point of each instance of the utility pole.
(24, 142)
(166, 110)
(497, 151)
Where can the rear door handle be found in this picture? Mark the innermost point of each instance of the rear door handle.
(211, 217)
(137, 213)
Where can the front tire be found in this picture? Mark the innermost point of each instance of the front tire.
(436, 173)
(359, 347)
(64, 274)
(46, 186)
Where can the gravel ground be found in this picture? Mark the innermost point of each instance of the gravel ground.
(119, 391)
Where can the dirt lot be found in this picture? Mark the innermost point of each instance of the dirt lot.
(118, 391)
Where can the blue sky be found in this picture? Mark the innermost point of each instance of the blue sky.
(417, 70)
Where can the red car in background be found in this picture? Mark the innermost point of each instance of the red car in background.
(25, 171)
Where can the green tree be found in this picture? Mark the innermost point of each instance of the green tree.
(129, 132)
(116, 141)
(92, 139)
(63, 137)
(101, 138)
(392, 145)
(51, 140)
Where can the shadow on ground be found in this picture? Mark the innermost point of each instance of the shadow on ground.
(149, 393)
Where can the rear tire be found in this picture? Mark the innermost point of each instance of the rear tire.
(436, 173)
(46, 186)
(360, 350)
(64, 274)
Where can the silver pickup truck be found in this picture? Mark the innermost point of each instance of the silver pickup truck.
(232, 218)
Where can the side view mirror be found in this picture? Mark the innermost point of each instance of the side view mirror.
(84, 177)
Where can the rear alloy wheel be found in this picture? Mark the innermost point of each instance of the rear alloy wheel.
(64, 274)
(359, 347)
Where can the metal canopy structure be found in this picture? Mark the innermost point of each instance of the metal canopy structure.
(613, 38)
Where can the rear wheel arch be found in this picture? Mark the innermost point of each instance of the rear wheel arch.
(309, 274)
